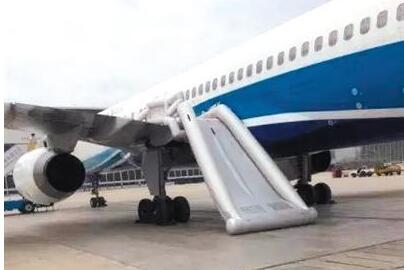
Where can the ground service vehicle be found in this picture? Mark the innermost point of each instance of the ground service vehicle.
(387, 170)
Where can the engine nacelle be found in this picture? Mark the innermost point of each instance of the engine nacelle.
(320, 161)
(45, 177)
(292, 167)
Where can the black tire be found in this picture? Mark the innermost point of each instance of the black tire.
(164, 216)
(146, 211)
(182, 211)
(102, 202)
(353, 175)
(29, 207)
(323, 193)
(362, 174)
(93, 202)
(399, 173)
(306, 192)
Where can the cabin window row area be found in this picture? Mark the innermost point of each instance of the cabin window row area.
(366, 25)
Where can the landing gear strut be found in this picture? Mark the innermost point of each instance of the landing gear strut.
(319, 194)
(162, 210)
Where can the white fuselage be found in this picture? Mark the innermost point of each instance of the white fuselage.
(283, 76)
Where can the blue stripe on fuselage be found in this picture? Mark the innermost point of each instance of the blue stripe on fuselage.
(377, 74)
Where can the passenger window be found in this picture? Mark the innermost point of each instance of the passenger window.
(365, 26)
(200, 89)
(270, 62)
(240, 74)
(193, 92)
(259, 67)
(207, 87)
(187, 94)
(318, 44)
(281, 58)
(214, 84)
(249, 70)
(348, 32)
(382, 19)
(400, 12)
(231, 77)
(305, 48)
(223, 81)
(333, 38)
(292, 54)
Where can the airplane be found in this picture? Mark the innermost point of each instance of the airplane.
(253, 118)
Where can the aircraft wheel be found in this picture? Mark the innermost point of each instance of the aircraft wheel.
(322, 193)
(146, 211)
(93, 202)
(164, 214)
(101, 202)
(306, 192)
(182, 210)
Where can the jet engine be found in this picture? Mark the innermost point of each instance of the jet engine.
(320, 161)
(43, 176)
(292, 167)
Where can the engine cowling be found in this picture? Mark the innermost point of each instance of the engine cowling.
(45, 177)
(320, 162)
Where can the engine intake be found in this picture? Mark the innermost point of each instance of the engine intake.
(45, 177)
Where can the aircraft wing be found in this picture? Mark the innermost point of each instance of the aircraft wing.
(88, 123)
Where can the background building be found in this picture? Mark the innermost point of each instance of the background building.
(370, 155)
(387, 152)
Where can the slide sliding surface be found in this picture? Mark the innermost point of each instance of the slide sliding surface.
(249, 190)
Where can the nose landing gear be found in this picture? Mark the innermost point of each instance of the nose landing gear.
(97, 200)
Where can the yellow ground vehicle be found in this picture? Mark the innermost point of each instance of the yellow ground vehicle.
(387, 170)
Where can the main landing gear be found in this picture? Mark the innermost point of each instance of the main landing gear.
(162, 210)
(317, 194)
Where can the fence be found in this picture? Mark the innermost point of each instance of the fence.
(126, 177)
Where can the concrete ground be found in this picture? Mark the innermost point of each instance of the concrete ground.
(363, 230)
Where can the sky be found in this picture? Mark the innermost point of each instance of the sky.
(95, 53)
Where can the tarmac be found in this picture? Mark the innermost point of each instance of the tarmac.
(364, 229)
